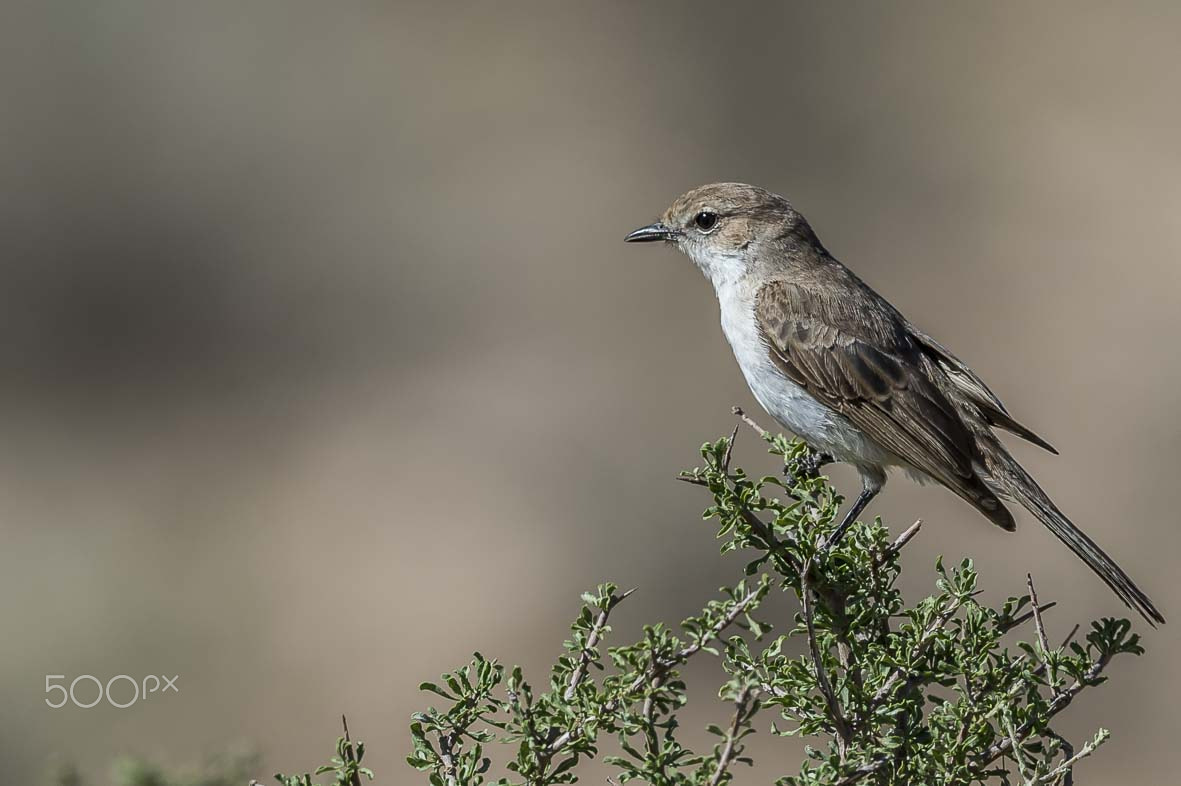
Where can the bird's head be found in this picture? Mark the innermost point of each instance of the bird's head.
(723, 227)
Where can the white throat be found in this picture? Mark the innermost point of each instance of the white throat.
(723, 269)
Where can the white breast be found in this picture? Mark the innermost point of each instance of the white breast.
(792, 406)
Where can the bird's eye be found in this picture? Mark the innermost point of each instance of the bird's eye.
(705, 220)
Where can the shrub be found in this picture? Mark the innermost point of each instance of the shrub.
(936, 691)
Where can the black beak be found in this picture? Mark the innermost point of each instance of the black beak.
(651, 233)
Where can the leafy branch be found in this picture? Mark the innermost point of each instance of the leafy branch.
(888, 693)
(345, 766)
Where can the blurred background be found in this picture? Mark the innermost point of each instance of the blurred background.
(324, 363)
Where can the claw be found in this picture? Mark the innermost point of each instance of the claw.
(812, 463)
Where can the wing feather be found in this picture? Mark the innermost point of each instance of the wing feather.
(873, 374)
(971, 385)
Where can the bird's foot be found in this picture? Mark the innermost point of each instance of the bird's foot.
(816, 461)
(806, 468)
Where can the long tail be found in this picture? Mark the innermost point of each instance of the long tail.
(1011, 478)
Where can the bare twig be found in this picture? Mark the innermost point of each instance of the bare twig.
(1041, 633)
(1037, 615)
(896, 547)
(584, 659)
(748, 695)
(905, 537)
(762, 432)
(839, 722)
(349, 755)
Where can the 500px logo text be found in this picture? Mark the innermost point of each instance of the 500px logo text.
(129, 691)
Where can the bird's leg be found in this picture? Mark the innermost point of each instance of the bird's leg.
(867, 493)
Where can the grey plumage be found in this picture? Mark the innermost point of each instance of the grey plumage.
(834, 362)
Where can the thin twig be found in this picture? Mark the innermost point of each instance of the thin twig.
(774, 546)
(1056, 706)
(1016, 737)
(1015, 746)
(446, 742)
(1059, 703)
(1026, 617)
(1005, 745)
(584, 659)
(1037, 615)
(879, 561)
(729, 451)
(659, 668)
(844, 732)
(651, 740)
(862, 771)
(1041, 633)
(762, 432)
(969, 716)
(905, 537)
(928, 636)
(688, 652)
(349, 755)
(748, 694)
(1067, 767)
(1041, 668)
(1068, 759)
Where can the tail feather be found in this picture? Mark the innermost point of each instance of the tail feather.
(1012, 479)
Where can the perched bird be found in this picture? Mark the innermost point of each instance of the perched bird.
(836, 364)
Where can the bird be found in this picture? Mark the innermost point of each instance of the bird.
(835, 363)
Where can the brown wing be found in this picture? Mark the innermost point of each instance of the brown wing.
(969, 383)
(861, 363)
